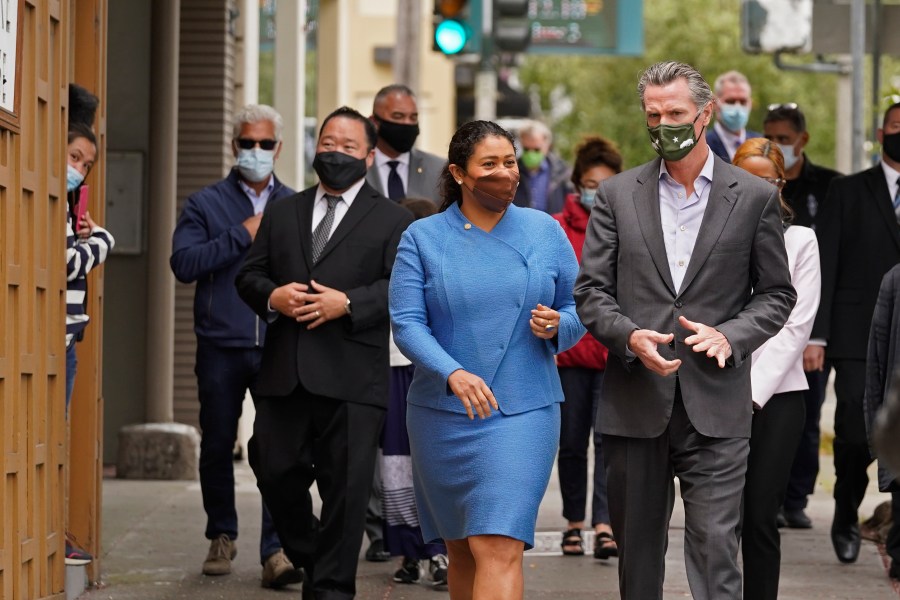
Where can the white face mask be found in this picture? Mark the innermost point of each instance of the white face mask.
(790, 157)
(256, 164)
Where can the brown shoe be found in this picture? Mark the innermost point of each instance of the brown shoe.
(278, 571)
(221, 552)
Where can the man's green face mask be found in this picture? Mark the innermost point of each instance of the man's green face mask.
(674, 142)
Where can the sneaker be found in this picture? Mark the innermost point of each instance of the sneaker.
(75, 556)
(279, 571)
(437, 567)
(221, 552)
(409, 572)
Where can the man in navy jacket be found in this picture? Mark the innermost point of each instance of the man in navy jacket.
(212, 238)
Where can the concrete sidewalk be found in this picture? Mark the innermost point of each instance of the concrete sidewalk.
(154, 546)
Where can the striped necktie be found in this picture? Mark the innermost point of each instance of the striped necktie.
(323, 229)
(897, 201)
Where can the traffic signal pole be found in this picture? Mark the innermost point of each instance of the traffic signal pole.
(486, 79)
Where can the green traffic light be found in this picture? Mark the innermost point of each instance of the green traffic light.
(451, 36)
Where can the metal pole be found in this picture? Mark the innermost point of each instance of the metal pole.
(858, 54)
(486, 79)
(406, 53)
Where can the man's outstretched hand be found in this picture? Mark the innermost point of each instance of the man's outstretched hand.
(643, 342)
(707, 339)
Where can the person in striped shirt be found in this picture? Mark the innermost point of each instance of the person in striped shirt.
(87, 244)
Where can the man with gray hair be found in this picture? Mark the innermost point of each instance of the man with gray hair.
(684, 274)
(212, 237)
(544, 176)
(733, 104)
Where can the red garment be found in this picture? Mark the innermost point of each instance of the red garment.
(588, 352)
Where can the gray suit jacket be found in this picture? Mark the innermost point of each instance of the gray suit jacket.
(424, 176)
(737, 281)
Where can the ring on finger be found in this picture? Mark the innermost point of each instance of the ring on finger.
(317, 314)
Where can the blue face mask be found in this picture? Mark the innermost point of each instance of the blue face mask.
(734, 117)
(256, 164)
(587, 198)
(73, 178)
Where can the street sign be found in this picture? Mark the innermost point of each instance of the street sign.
(586, 27)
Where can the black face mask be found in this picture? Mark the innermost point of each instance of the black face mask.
(338, 170)
(398, 136)
(891, 145)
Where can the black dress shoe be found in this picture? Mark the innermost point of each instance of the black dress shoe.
(846, 542)
(376, 552)
(797, 519)
(780, 521)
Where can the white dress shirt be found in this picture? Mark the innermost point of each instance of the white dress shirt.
(778, 364)
(891, 175)
(340, 209)
(384, 169)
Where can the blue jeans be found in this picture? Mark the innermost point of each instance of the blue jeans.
(223, 377)
(581, 387)
(71, 367)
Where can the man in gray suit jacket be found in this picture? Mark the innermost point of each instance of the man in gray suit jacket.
(401, 171)
(684, 274)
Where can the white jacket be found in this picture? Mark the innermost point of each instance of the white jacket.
(778, 364)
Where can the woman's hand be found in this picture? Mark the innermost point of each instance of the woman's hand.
(473, 392)
(85, 226)
(544, 322)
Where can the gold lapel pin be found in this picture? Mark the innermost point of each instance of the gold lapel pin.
(418, 169)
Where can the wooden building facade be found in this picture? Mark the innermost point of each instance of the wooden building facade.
(56, 43)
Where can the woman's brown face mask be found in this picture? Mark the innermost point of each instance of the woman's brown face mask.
(496, 191)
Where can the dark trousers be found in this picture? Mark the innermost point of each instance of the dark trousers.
(711, 473)
(805, 469)
(777, 429)
(223, 377)
(302, 438)
(851, 447)
(581, 387)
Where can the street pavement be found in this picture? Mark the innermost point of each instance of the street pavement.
(153, 547)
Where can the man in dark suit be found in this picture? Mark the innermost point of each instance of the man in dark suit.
(859, 241)
(733, 105)
(804, 191)
(318, 271)
(684, 274)
(400, 170)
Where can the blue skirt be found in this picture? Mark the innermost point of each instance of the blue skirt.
(481, 477)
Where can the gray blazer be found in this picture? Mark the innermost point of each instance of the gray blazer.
(424, 176)
(882, 383)
(737, 281)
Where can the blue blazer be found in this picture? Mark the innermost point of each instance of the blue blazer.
(462, 298)
(718, 146)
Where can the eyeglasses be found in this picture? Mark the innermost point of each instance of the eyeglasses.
(247, 144)
(777, 182)
(785, 106)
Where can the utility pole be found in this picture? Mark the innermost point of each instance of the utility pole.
(858, 54)
(486, 79)
(406, 53)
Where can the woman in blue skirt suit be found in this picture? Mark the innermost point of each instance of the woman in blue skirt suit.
(481, 301)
